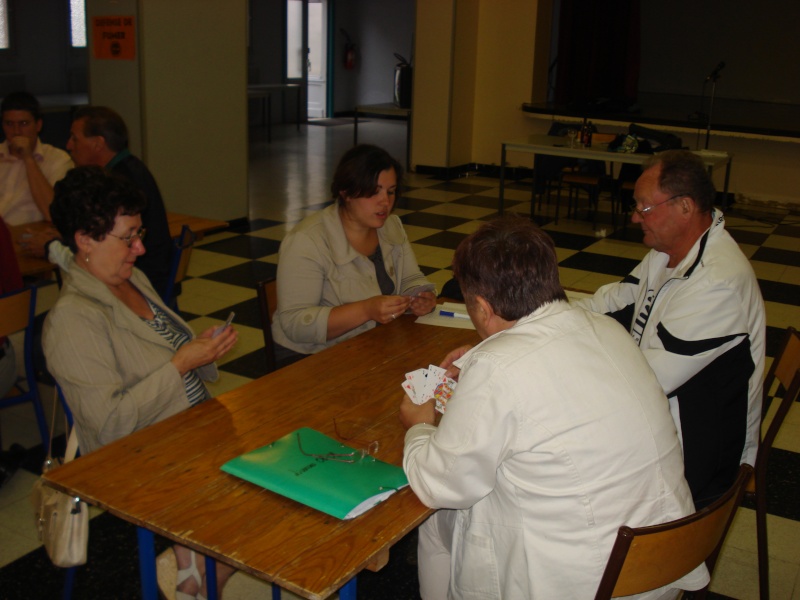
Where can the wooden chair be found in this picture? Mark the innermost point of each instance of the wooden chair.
(268, 302)
(179, 264)
(647, 558)
(785, 369)
(17, 313)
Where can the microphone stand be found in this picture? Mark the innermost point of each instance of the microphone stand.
(700, 116)
(710, 107)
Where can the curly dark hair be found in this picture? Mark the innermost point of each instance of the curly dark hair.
(89, 199)
(357, 174)
(511, 263)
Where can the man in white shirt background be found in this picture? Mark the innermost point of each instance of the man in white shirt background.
(28, 168)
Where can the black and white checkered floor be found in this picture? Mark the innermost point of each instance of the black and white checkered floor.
(289, 179)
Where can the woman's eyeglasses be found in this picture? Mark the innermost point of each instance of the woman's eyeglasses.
(139, 235)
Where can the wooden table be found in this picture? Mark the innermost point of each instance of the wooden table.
(166, 478)
(31, 266)
(387, 109)
(557, 146)
(199, 225)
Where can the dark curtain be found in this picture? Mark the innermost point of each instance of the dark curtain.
(598, 54)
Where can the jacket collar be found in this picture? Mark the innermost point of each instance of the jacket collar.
(694, 258)
(87, 285)
(341, 251)
(544, 311)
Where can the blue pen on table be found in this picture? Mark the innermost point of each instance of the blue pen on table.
(448, 313)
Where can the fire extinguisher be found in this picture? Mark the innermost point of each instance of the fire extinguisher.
(349, 51)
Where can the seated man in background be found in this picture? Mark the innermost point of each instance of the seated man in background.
(557, 434)
(99, 137)
(694, 307)
(28, 168)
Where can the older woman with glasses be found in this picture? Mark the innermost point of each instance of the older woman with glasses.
(123, 359)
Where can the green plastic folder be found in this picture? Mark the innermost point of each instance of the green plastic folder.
(320, 472)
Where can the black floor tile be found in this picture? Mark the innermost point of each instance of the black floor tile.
(187, 316)
(443, 239)
(253, 225)
(631, 233)
(428, 270)
(571, 241)
(485, 202)
(247, 313)
(247, 274)
(252, 365)
(783, 493)
(423, 219)
(784, 293)
(775, 255)
(244, 246)
(460, 186)
(774, 339)
(743, 236)
(112, 569)
(599, 263)
(788, 230)
(414, 203)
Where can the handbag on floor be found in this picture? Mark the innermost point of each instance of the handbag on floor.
(61, 520)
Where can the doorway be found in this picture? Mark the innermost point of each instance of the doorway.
(309, 61)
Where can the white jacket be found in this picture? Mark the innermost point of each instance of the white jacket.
(702, 330)
(558, 433)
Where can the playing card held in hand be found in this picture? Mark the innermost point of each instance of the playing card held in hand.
(432, 383)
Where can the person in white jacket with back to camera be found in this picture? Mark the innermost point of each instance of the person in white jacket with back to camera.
(557, 434)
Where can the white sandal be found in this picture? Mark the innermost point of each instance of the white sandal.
(184, 574)
(169, 577)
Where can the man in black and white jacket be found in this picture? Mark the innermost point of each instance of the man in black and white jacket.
(694, 307)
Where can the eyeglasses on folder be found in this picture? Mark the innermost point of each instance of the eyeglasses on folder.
(345, 457)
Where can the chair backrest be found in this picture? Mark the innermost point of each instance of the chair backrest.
(267, 303)
(181, 254)
(17, 310)
(646, 558)
(785, 370)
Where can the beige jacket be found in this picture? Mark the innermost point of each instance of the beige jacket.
(318, 269)
(115, 371)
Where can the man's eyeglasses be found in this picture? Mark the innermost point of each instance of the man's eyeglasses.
(129, 239)
(643, 212)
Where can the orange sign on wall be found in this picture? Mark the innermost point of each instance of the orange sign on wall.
(114, 37)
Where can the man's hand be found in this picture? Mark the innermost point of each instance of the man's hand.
(453, 356)
(413, 414)
(21, 147)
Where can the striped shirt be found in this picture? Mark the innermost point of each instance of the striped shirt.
(168, 329)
